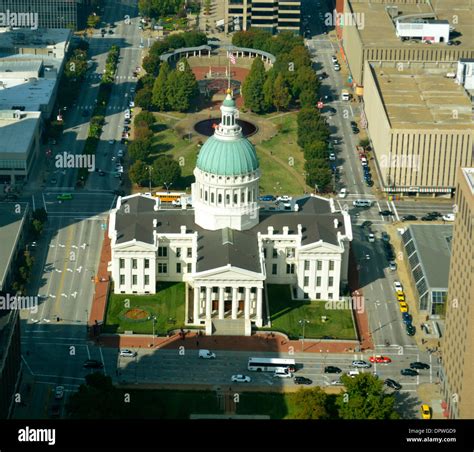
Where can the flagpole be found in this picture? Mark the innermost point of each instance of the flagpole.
(228, 83)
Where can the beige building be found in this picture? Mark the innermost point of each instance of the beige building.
(369, 32)
(270, 15)
(420, 124)
(457, 377)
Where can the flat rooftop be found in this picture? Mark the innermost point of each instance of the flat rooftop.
(16, 134)
(433, 247)
(41, 38)
(10, 226)
(31, 94)
(469, 175)
(419, 97)
(379, 30)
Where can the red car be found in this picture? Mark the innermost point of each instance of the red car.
(380, 359)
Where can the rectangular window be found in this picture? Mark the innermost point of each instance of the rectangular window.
(329, 295)
(178, 252)
(319, 265)
(275, 253)
(178, 267)
(189, 267)
(306, 265)
(318, 281)
(306, 281)
(162, 251)
(318, 296)
(274, 269)
(134, 280)
(162, 267)
(331, 281)
(190, 252)
(147, 263)
(122, 263)
(265, 253)
(290, 268)
(147, 280)
(290, 252)
(122, 280)
(134, 263)
(331, 265)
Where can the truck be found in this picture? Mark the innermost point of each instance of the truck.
(345, 95)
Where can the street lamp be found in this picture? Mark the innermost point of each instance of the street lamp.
(167, 186)
(303, 323)
(149, 177)
(154, 320)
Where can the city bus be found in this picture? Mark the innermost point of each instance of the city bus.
(271, 364)
(169, 196)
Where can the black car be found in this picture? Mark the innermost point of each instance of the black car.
(332, 370)
(409, 218)
(409, 372)
(411, 330)
(366, 224)
(103, 30)
(93, 364)
(419, 365)
(385, 213)
(111, 32)
(355, 131)
(353, 124)
(428, 218)
(393, 384)
(435, 214)
(370, 183)
(303, 381)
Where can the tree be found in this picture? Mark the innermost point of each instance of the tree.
(143, 98)
(305, 79)
(308, 98)
(175, 41)
(194, 39)
(144, 118)
(316, 150)
(40, 214)
(160, 97)
(252, 88)
(365, 398)
(151, 64)
(311, 404)
(165, 171)
(268, 90)
(281, 95)
(93, 20)
(139, 149)
(182, 87)
(318, 173)
(139, 173)
(143, 133)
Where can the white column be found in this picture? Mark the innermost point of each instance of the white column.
(235, 302)
(247, 303)
(208, 303)
(259, 304)
(196, 304)
(221, 302)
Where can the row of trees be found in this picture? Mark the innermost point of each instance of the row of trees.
(291, 80)
(145, 169)
(160, 8)
(313, 135)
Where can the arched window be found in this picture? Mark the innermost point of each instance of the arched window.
(248, 196)
(219, 198)
(227, 199)
(235, 198)
(205, 195)
(212, 198)
(242, 197)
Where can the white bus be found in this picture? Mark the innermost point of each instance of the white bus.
(271, 364)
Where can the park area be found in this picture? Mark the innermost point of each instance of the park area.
(135, 312)
(286, 314)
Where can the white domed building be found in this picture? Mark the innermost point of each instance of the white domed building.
(228, 247)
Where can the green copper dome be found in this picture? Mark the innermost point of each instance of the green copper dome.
(227, 158)
(228, 102)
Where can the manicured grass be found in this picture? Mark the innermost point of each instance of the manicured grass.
(170, 404)
(276, 178)
(286, 313)
(167, 303)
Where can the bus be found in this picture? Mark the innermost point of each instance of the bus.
(165, 196)
(271, 364)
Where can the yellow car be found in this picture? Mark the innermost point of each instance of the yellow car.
(403, 306)
(400, 296)
(425, 411)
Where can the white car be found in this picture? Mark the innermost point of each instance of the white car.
(59, 392)
(283, 373)
(337, 67)
(332, 156)
(334, 59)
(111, 141)
(241, 379)
(449, 217)
(284, 198)
(343, 193)
(398, 286)
(361, 364)
(392, 265)
(131, 104)
(371, 238)
(120, 153)
(126, 353)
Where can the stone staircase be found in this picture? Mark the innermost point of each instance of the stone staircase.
(229, 327)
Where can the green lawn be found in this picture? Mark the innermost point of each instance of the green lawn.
(285, 314)
(275, 405)
(276, 177)
(167, 304)
(166, 404)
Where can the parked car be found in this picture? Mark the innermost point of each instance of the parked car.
(267, 198)
(407, 318)
(126, 353)
(428, 218)
(419, 365)
(361, 364)
(411, 330)
(409, 218)
(371, 238)
(369, 183)
(393, 384)
(93, 364)
(385, 237)
(337, 67)
(240, 378)
(303, 381)
(59, 392)
(332, 156)
(409, 372)
(380, 359)
(403, 308)
(392, 265)
(334, 59)
(449, 217)
(342, 193)
(284, 198)
(366, 224)
(398, 285)
(332, 370)
(425, 411)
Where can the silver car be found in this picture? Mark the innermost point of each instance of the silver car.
(361, 364)
(126, 353)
